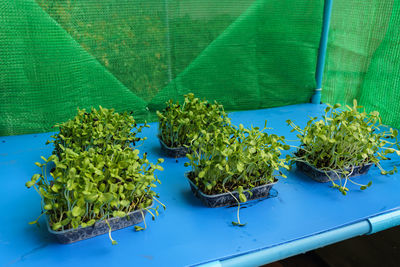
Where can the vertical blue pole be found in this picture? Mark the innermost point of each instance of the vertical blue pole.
(316, 98)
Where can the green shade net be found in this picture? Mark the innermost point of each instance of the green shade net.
(133, 55)
(363, 57)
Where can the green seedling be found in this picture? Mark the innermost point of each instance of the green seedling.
(95, 173)
(179, 124)
(343, 140)
(97, 129)
(90, 186)
(235, 159)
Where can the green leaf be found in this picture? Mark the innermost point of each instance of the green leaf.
(286, 147)
(65, 221)
(91, 197)
(91, 222)
(56, 226)
(158, 167)
(240, 167)
(106, 197)
(337, 106)
(76, 211)
(242, 198)
(52, 158)
(240, 189)
(29, 184)
(119, 213)
(238, 224)
(125, 203)
(138, 228)
(201, 174)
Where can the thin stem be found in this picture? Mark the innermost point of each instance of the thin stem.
(109, 233)
(160, 202)
(238, 209)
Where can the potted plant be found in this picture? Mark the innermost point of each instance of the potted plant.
(89, 193)
(97, 129)
(179, 123)
(234, 164)
(95, 181)
(343, 144)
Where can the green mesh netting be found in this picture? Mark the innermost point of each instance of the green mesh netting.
(363, 57)
(134, 55)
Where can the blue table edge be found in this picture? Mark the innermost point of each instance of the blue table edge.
(270, 254)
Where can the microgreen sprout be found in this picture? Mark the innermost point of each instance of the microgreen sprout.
(235, 158)
(238, 223)
(343, 140)
(139, 228)
(95, 175)
(109, 233)
(178, 123)
(87, 187)
(97, 129)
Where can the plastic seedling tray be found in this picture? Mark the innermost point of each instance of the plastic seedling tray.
(226, 199)
(99, 228)
(175, 152)
(323, 177)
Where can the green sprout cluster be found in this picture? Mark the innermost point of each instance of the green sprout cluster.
(343, 140)
(178, 123)
(235, 159)
(97, 129)
(94, 174)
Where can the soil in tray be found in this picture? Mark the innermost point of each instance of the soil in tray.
(226, 199)
(230, 186)
(324, 177)
(176, 152)
(321, 163)
(81, 233)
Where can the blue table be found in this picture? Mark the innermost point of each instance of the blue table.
(304, 215)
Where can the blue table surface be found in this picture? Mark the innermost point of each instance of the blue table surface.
(187, 233)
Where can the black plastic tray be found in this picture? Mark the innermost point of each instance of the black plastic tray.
(226, 199)
(177, 152)
(323, 177)
(99, 228)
